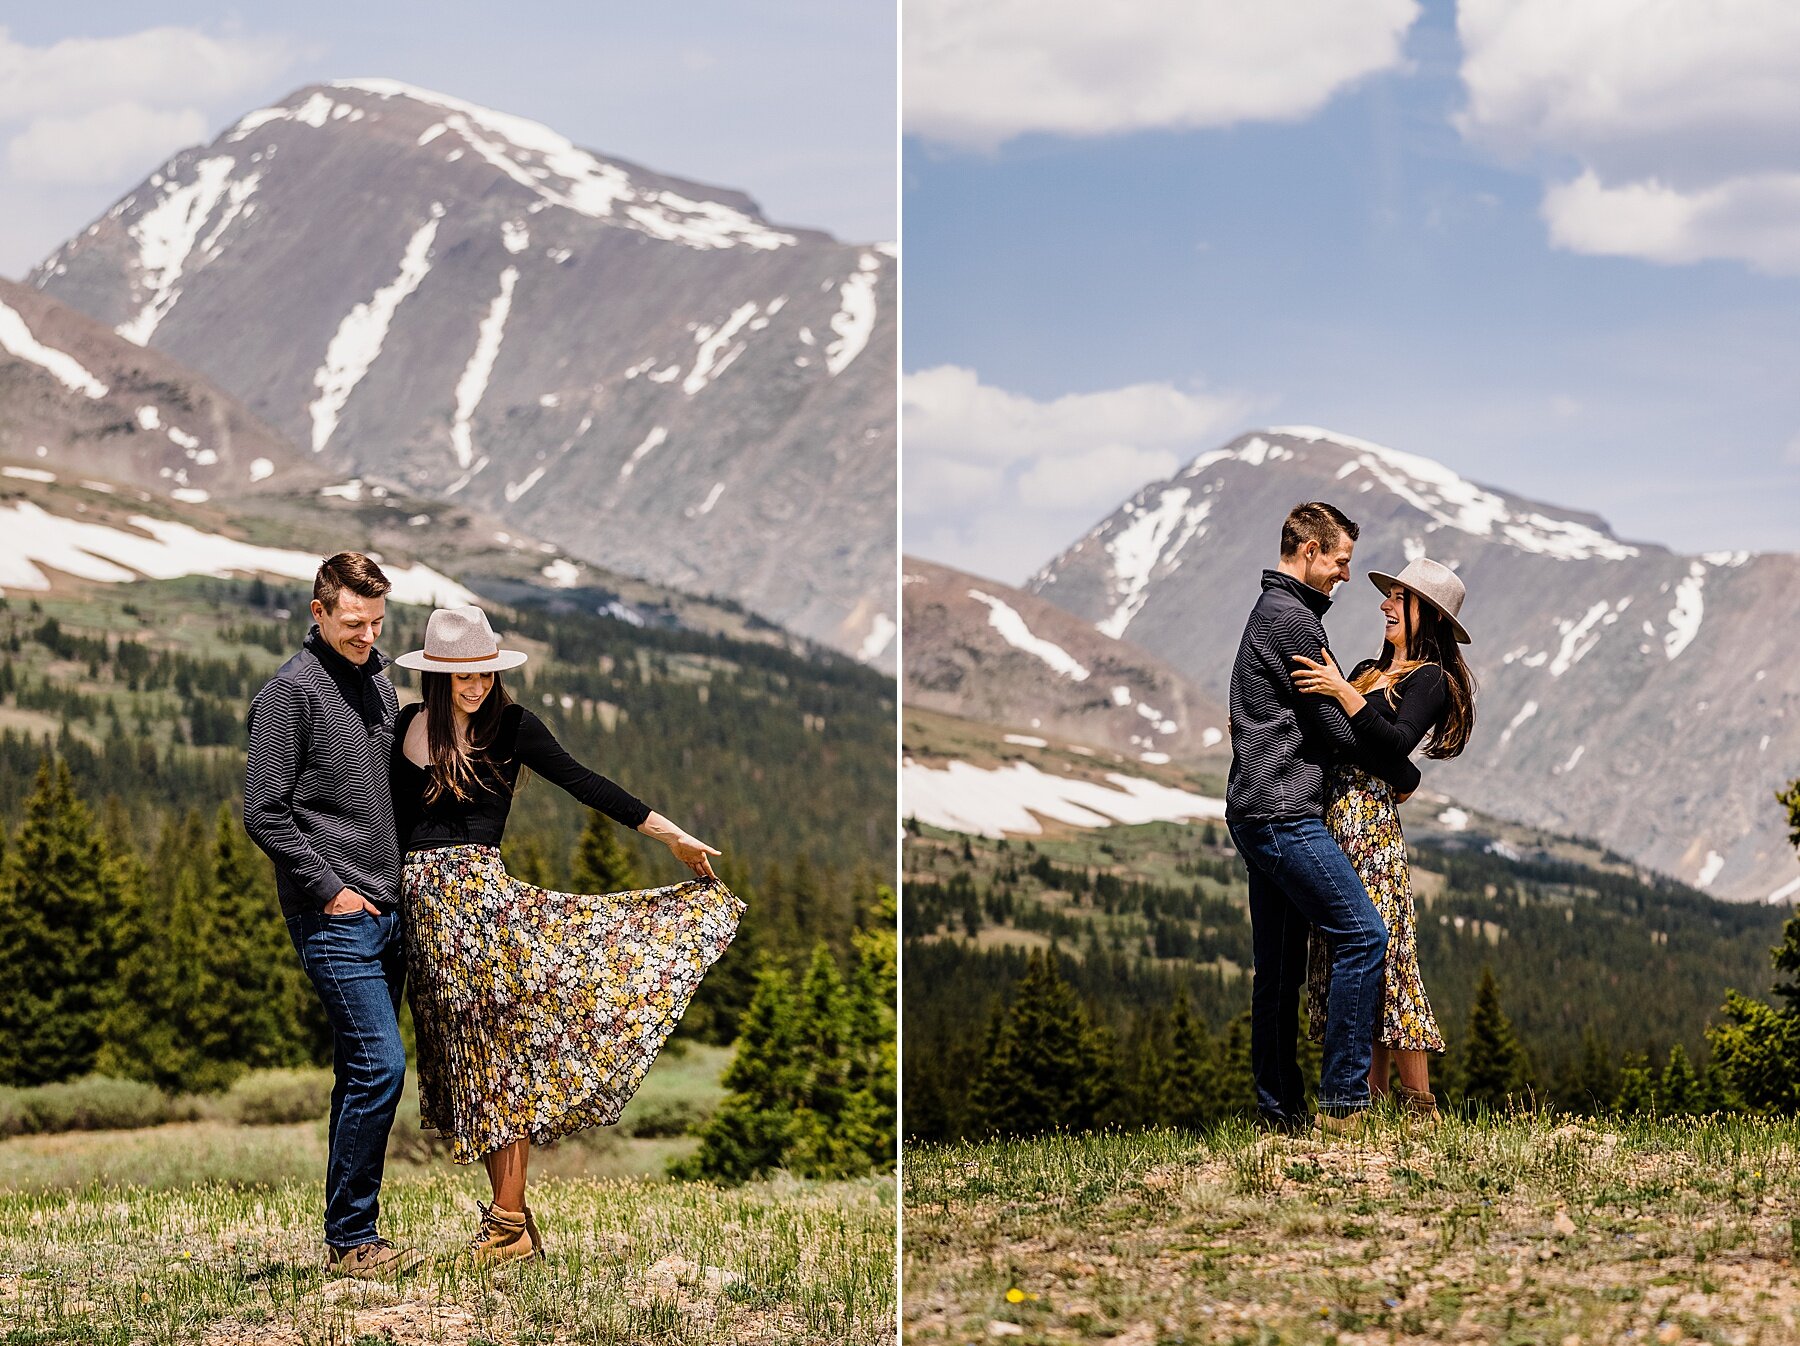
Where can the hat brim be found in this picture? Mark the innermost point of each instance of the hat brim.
(1385, 582)
(424, 663)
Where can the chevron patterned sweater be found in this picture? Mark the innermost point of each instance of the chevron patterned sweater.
(1281, 740)
(316, 792)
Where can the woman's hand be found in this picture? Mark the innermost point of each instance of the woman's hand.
(691, 851)
(1321, 677)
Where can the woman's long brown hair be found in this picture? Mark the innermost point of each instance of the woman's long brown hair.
(452, 770)
(1434, 642)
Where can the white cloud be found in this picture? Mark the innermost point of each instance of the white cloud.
(978, 72)
(1683, 121)
(1754, 219)
(102, 145)
(997, 482)
(159, 67)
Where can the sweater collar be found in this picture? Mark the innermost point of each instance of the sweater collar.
(336, 662)
(1319, 603)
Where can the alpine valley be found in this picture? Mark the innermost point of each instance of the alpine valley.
(382, 289)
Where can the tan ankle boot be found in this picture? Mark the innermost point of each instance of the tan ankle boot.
(1418, 1105)
(501, 1237)
(531, 1228)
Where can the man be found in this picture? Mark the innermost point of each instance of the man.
(316, 799)
(1282, 743)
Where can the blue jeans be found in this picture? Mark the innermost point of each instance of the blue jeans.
(1299, 877)
(358, 966)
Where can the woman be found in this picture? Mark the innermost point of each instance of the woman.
(1418, 687)
(537, 1013)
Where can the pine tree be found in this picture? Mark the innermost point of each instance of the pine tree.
(1596, 1079)
(1680, 1089)
(1637, 1097)
(524, 860)
(1191, 1083)
(876, 1059)
(750, 1133)
(835, 1123)
(1048, 1067)
(601, 863)
(62, 921)
(1493, 1062)
(1757, 1052)
(1237, 1081)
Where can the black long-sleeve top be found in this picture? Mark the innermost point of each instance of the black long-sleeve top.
(1393, 728)
(521, 741)
(1281, 738)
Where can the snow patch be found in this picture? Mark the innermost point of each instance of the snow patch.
(1121, 695)
(149, 418)
(1014, 631)
(360, 336)
(28, 474)
(1455, 819)
(1578, 637)
(1685, 617)
(1574, 757)
(1152, 537)
(162, 549)
(261, 470)
(472, 386)
(513, 490)
(182, 438)
(165, 235)
(881, 635)
(1453, 502)
(1786, 892)
(558, 173)
(705, 506)
(1526, 711)
(1710, 870)
(515, 236)
(190, 495)
(1211, 737)
(656, 438)
(709, 363)
(855, 319)
(1027, 741)
(994, 802)
(562, 573)
(17, 339)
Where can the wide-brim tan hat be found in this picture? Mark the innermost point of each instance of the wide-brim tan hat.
(459, 640)
(1435, 583)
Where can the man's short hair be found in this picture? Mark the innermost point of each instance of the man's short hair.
(348, 570)
(1315, 521)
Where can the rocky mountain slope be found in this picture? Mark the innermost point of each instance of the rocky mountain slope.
(985, 651)
(80, 399)
(461, 304)
(1646, 699)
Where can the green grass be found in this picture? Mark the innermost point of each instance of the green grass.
(1506, 1230)
(208, 1231)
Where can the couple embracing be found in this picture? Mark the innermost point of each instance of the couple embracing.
(536, 1013)
(1320, 763)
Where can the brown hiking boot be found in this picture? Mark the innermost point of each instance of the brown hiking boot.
(531, 1228)
(503, 1236)
(376, 1260)
(1352, 1126)
(1418, 1105)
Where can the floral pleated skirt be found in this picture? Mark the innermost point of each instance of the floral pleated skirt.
(1360, 813)
(538, 1013)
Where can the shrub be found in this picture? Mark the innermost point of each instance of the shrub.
(91, 1103)
(277, 1097)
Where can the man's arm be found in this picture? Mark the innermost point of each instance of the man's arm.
(277, 734)
(1322, 720)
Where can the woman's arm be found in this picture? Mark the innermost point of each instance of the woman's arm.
(538, 749)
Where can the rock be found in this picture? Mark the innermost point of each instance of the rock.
(996, 1328)
(1562, 1224)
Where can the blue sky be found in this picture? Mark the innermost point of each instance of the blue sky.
(1457, 252)
(790, 100)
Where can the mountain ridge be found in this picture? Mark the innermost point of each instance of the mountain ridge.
(461, 303)
(1629, 693)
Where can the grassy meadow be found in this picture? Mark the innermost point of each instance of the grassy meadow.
(207, 1231)
(1513, 1231)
